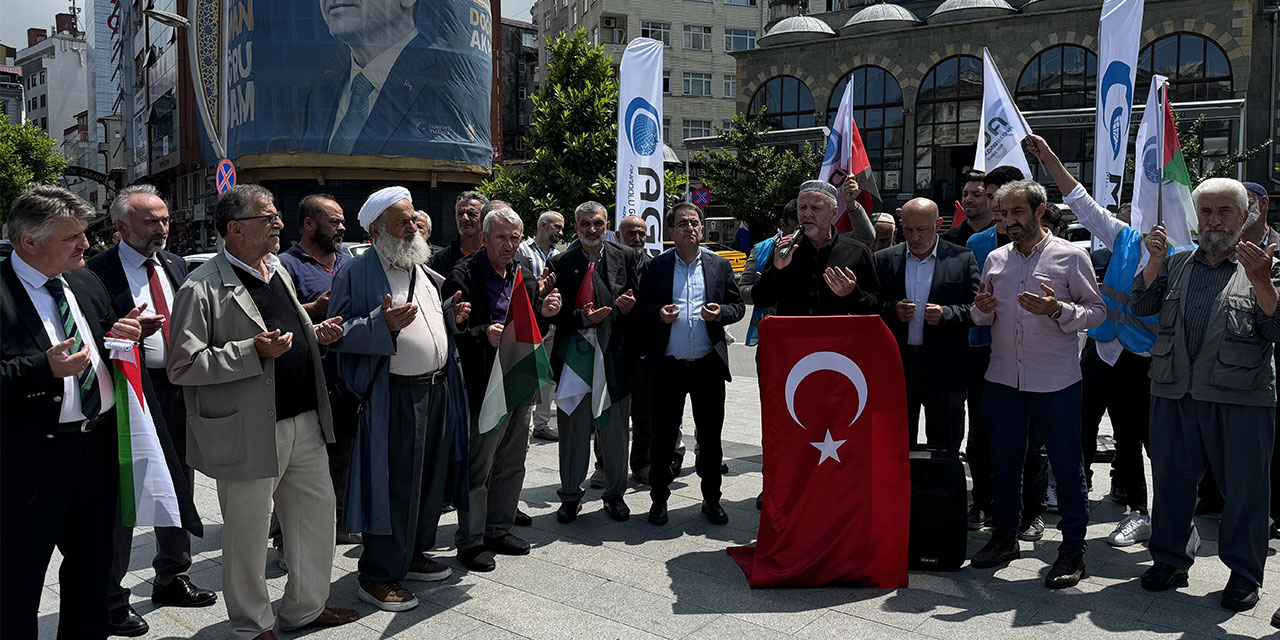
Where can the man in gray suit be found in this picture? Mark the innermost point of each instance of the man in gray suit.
(258, 415)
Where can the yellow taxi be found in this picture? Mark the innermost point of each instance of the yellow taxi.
(737, 259)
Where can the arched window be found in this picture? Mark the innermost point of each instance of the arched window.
(1197, 70)
(1060, 77)
(1196, 67)
(948, 109)
(788, 103)
(877, 109)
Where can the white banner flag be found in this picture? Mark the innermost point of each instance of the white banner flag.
(639, 188)
(1161, 188)
(1119, 32)
(1003, 128)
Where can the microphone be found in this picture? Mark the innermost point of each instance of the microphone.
(795, 237)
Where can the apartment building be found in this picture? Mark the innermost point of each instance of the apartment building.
(700, 77)
(54, 67)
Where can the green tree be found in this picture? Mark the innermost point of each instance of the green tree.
(1192, 142)
(573, 137)
(752, 179)
(27, 158)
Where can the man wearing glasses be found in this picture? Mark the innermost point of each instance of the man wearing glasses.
(687, 297)
(248, 358)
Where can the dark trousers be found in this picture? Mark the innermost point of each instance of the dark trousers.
(1012, 415)
(1236, 442)
(73, 508)
(343, 405)
(702, 381)
(417, 461)
(943, 408)
(173, 544)
(641, 416)
(1123, 391)
(1035, 473)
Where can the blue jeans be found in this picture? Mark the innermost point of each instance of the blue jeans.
(1011, 415)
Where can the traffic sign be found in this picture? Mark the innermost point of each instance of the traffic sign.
(226, 175)
(702, 197)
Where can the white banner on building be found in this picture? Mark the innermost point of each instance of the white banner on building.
(1003, 127)
(1119, 33)
(639, 189)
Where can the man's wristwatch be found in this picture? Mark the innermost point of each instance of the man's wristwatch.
(1057, 313)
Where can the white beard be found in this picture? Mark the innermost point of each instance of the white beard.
(1218, 242)
(403, 253)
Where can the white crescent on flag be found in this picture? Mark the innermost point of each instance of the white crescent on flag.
(825, 361)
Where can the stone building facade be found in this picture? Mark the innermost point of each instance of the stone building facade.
(917, 69)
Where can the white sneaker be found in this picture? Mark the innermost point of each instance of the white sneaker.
(1135, 528)
(1053, 499)
(1193, 543)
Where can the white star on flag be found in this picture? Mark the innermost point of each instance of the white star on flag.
(829, 448)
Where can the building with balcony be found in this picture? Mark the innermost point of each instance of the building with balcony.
(519, 66)
(916, 69)
(54, 68)
(12, 97)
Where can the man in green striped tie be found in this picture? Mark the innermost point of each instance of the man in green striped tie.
(57, 461)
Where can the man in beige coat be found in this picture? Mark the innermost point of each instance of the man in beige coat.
(258, 417)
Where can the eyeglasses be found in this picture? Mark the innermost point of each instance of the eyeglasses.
(688, 224)
(271, 217)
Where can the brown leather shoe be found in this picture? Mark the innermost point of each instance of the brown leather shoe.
(334, 617)
(427, 570)
(388, 596)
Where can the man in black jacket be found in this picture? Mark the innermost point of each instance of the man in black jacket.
(58, 470)
(612, 271)
(929, 284)
(487, 280)
(827, 273)
(139, 271)
(687, 296)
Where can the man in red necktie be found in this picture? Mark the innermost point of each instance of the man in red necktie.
(139, 271)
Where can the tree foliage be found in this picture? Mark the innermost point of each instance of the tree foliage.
(1193, 151)
(752, 179)
(27, 158)
(572, 137)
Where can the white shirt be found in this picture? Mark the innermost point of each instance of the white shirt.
(135, 271)
(33, 281)
(1105, 228)
(271, 261)
(422, 345)
(375, 72)
(919, 279)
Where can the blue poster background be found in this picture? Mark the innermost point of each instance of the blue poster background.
(291, 81)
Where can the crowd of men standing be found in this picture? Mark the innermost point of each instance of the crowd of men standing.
(344, 392)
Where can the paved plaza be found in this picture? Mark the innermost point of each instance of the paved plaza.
(598, 579)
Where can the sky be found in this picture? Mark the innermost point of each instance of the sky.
(18, 15)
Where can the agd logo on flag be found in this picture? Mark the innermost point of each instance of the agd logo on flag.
(640, 150)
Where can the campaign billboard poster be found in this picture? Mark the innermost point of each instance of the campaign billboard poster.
(369, 78)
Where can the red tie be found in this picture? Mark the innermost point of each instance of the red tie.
(157, 299)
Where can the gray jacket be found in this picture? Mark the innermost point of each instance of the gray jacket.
(1234, 364)
(229, 389)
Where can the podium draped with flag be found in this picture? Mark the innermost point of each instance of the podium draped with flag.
(837, 486)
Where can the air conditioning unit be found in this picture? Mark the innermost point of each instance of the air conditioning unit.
(609, 23)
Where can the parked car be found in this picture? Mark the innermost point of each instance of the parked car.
(737, 259)
(356, 248)
(196, 259)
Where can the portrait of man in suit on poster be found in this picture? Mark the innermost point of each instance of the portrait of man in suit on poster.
(395, 86)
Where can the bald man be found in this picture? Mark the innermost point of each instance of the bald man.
(929, 284)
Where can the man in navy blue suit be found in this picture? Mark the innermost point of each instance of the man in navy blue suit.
(384, 96)
(687, 297)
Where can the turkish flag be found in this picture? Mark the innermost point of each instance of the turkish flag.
(837, 485)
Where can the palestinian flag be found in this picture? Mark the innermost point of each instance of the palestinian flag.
(583, 374)
(958, 217)
(1162, 188)
(521, 366)
(147, 494)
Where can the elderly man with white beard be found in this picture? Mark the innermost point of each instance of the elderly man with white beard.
(398, 357)
(1213, 388)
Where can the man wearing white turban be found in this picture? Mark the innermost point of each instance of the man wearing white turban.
(399, 358)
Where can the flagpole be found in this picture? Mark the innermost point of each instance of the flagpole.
(1163, 96)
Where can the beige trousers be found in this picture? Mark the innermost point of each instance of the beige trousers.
(304, 502)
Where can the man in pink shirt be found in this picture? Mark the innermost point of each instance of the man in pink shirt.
(1036, 294)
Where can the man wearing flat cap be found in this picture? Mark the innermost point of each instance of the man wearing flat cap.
(826, 273)
(397, 355)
